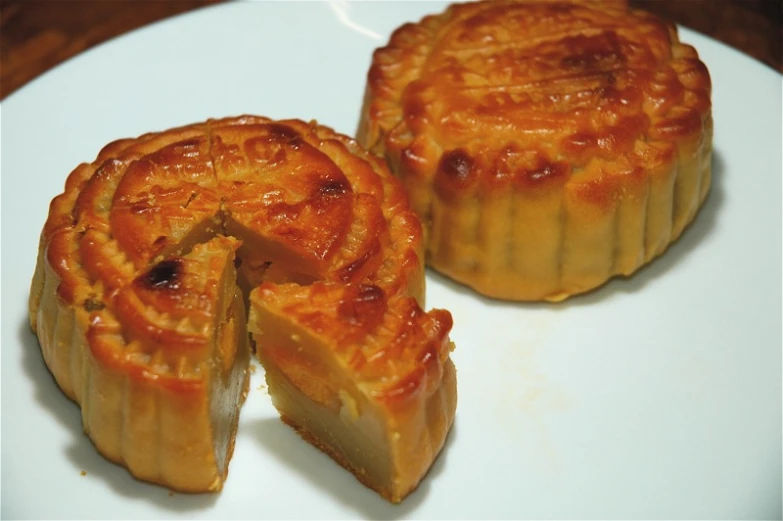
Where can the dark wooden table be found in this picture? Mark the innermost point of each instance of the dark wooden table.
(36, 35)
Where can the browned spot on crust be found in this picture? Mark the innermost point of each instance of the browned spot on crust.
(363, 304)
(165, 275)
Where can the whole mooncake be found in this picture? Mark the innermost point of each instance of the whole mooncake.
(546, 145)
(150, 258)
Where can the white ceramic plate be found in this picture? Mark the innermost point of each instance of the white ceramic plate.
(657, 396)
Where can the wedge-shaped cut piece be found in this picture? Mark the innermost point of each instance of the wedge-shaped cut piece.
(365, 378)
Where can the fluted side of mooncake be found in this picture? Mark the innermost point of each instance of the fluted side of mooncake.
(143, 407)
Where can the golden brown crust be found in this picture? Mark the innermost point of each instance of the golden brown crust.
(387, 343)
(135, 299)
(546, 145)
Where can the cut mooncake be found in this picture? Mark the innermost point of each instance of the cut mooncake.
(150, 258)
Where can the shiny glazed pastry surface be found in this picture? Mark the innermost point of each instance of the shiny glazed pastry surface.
(546, 145)
(147, 264)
